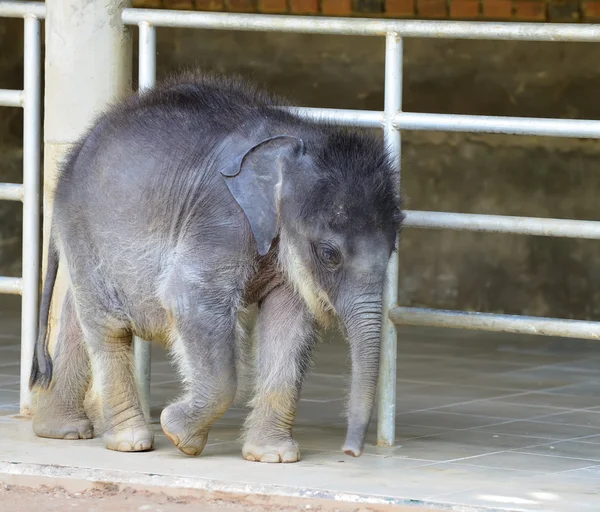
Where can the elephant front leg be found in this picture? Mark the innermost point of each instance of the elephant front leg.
(286, 339)
(203, 345)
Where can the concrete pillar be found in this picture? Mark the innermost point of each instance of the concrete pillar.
(88, 64)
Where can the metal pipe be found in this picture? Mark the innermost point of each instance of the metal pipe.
(496, 322)
(506, 31)
(21, 9)
(147, 79)
(11, 285)
(504, 224)
(147, 56)
(10, 98)
(347, 117)
(582, 128)
(386, 411)
(11, 192)
(31, 201)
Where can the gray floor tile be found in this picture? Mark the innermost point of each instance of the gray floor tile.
(8, 379)
(590, 388)
(9, 396)
(452, 445)
(11, 369)
(517, 381)
(459, 392)
(541, 430)
(570, 449)
(592, 472)
(595, 439)
(554, 375)
(446, 420)
(590, 366)
(579, 417)
(517, 460)
(403, 433)
(498, 409)
(553, 400)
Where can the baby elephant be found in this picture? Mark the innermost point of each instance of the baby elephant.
(181, 207)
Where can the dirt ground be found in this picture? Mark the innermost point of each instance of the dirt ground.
(114, 499)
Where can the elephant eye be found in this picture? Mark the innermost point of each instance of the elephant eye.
(330, 255)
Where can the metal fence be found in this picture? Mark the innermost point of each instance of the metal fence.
(393, 120)
(29, 191)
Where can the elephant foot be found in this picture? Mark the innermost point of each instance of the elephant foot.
(175, 424)
(132, 439)
(77, 428)
(284, 451)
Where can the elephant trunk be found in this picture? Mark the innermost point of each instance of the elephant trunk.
(363, 326)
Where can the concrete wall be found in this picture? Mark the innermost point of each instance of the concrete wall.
(464, 173)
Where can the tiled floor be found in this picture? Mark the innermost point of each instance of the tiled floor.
(494, 422)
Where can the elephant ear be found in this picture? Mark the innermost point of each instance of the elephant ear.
(253, 178)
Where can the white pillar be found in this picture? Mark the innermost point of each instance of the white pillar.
(88, 65)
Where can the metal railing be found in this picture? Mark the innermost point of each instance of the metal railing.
(393, 120)
(29, 191)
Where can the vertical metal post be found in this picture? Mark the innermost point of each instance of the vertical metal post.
(147, 56)
(387, 377)
(31, 202)
(147, 78)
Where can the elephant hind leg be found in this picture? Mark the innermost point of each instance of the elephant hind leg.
(110, 345)
(59, 411)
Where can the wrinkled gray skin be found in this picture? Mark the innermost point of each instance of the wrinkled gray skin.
(178, 210)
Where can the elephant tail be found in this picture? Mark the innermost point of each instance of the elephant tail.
(41, 368)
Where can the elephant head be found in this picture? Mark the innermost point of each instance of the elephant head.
(332, 198)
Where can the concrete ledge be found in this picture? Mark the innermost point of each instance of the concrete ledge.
(76, 479)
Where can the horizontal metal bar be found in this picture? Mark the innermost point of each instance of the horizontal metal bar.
(11, 192)
(11, 285)
(495, 322)
(364, 118)
(11, 98)
(366, 26)
(582, 128)
(21, 9)
(563, 228)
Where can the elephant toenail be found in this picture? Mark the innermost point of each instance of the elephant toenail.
(290, 457)
(270, 457)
